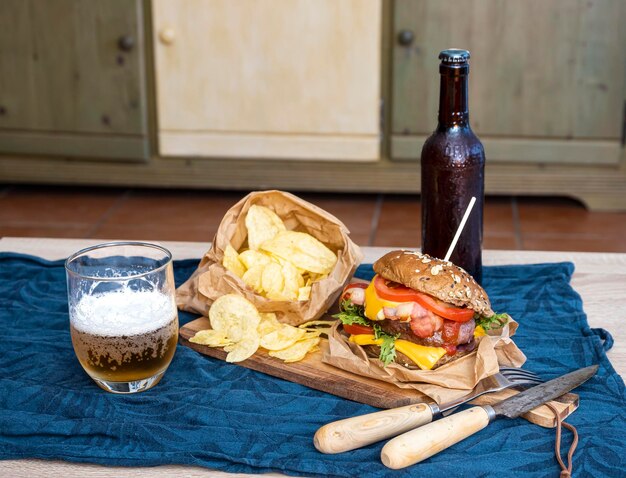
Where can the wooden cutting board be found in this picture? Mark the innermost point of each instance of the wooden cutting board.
(314, 373)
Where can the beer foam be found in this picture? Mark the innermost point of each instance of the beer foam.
(126, 312)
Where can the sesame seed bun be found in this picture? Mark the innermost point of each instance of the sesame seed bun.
(440, 279)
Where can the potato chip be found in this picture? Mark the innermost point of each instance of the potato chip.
(316, 277)
(304, 293)
(262, 224)
(232, 263)
(235, 316)
(272, 281)
(314, 333)
(297, 351)
(302, 250)
(291, 281)
(212, 338)
(315, 323)
(251, 258)
(281, 338)
(253, 278)
(243, 349)
(268, 323)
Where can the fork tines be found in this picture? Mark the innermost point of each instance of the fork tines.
(518, 373)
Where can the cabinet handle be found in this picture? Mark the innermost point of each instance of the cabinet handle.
(126, 43)
(167, 35)
(405, 37)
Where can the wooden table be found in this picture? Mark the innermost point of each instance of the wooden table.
(600, 279)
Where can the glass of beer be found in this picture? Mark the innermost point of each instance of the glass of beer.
(123, 316)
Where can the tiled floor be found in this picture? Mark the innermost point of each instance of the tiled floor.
(373, 219)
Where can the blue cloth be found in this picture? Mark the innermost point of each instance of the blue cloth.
(209, 413)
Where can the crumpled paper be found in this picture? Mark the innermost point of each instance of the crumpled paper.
(211, 280)
(444, 384)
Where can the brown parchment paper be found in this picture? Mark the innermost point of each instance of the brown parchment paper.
(211, 280)
(446, 383)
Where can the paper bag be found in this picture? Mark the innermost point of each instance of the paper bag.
(211, 280)
(446, 383)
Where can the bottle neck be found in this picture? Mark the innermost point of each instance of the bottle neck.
(453, 107)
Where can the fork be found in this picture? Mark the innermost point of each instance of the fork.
(356, 432)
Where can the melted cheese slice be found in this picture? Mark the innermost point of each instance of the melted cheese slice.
(374, 304)
(423, 356)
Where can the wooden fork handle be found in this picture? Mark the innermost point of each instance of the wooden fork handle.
(356, 432)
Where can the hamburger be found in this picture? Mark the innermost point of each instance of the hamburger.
(418, 311)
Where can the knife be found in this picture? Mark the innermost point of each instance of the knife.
(428, 440)
(355, 432)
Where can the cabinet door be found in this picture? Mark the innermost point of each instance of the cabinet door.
(273, 78)
(547, 78)
(71, 78)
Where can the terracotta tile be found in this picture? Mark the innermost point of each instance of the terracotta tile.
(67, 231)
(360, 239)
(173, 209)
(399, 211)
(498, 216)
(396, 238)
(37, 206)
(564, 216)
(574, 242)
(399, 222)
(356, 211)
(499, 242)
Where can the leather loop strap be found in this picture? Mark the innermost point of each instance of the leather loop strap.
(566, 471)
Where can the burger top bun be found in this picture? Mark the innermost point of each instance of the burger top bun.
(435, 277)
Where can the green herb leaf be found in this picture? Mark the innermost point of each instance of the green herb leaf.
(351, 314)
(494, 322)
(388, 347)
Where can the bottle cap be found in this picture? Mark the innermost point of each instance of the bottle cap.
(454, 56)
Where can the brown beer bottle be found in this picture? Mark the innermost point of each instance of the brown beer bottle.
(453, 170)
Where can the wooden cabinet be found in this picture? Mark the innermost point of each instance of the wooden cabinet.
(547, 81)
(72, 78)
(252, 94)
(296, 79)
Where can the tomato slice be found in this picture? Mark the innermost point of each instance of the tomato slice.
(446, 311)
(399, 293)
(393, 291)
(357, 329)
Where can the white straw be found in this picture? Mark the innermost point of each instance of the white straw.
(460, 229)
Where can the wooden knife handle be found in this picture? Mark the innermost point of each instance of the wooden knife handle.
(424, 442)
(355, 432)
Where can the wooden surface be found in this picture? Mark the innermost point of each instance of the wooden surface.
(538, 69)
(62, 73)
(600, 278)
(314, 373)
(280, 78)
(535, 150)
(599, 187)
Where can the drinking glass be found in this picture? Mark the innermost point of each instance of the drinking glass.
(123, 316)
